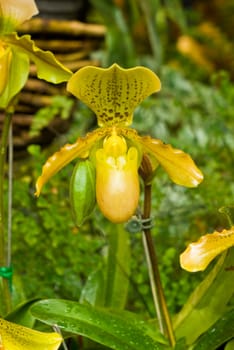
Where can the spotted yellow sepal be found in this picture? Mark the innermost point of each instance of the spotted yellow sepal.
(113, 93)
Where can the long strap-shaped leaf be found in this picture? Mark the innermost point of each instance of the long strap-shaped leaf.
(208, 302)
(101, 325)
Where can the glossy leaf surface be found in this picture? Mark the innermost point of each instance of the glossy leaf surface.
(101, 325)
(218, 334)
(208, 302)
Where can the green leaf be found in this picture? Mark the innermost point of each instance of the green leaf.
(118, 267)
(99, 324)
(48, 67)
(93, 289)
(218, 334)
(22, 315)
(18, 74)
(230, 345)
(208, 302)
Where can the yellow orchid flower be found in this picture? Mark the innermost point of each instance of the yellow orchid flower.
(198, 255)
(16, 337)
(115, 149)
(16, 52)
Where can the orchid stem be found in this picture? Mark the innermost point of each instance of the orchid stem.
(154, 275)
(4, 285)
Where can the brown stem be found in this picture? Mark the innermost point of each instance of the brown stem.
(152, 261)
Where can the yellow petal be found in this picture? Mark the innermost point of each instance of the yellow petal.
(113, 93)
(179, 165)
(198, 255)
(16, 337)
(117, 182)
(18, 11)
(66, 154)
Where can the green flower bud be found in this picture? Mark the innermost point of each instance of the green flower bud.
(82, 191)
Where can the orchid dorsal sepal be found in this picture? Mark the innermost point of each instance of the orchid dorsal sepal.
(113, 93)
(198, 255)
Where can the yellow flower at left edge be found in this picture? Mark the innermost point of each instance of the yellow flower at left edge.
(17, 337)
(17, 52)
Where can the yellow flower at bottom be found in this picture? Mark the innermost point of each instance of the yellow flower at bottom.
(16, 337)
(117, 181)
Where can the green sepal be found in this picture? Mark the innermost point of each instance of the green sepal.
(17, 77)
(82, 191)
(48, 67)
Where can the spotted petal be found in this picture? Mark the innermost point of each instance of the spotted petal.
(198, 255)
(113, 93)
(16, 337)
(79, 149)
(179, 165)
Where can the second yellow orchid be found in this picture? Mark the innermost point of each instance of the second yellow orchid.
(115, 149)
(198, 255)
